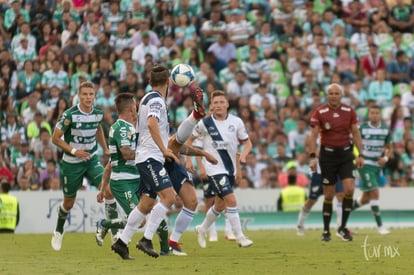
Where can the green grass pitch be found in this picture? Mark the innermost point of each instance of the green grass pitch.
(274, 252)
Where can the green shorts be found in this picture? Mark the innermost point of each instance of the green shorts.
(72, 174)
(125, 193)
(369, 178)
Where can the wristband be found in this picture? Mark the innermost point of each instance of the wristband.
(73, 151)
(312, 155)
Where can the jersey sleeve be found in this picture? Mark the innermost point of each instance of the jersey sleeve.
(242, 134)
(354, 117)
(315, 120)
(64, 122)
(155, 107)
(122, 136)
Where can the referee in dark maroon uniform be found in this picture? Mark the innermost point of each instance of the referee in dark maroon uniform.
(336, 124)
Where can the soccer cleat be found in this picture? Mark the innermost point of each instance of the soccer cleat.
(175, 249)
(229, 235)
(145, 246)
(115, 237)
(100, 232)
(383, 231)
(201, 237)
(326, 236)
(300, 230)
(197, 95)
(57, 240)
(244, 242)
(344, 234)
(121, 249)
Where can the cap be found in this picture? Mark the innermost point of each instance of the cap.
(13, 1)
(145, 34)
(290, 164)
(23, 37)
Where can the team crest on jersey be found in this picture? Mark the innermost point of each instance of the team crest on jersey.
(232, 128)
(327, 126)
(66, 122)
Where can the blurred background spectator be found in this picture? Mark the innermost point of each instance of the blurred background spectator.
(273, 58)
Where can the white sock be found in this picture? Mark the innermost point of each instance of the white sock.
(212, 229)
(135, 219)
(233, 215)
(227, 225)
(211, 217)
(157, 215)
(185, 129)
(303, 214)
(339, 213)
(182, 222)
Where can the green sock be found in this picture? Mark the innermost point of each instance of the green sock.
(376, 213)
(111, 214)
(162, 231)
(62, 215)
(115, 223)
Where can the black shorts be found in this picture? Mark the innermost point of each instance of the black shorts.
(336, 162)
(178, 175)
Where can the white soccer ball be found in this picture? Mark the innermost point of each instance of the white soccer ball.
(182, 75)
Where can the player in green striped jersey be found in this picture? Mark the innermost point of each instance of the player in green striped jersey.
(376, 144)
(77, 132)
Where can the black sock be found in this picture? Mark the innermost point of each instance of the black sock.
(327, 214)
(346, 209)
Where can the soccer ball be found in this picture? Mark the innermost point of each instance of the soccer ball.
(182, 75)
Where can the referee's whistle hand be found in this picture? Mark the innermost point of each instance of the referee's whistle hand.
(360, 162)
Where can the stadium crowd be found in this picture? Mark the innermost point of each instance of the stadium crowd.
(274, 59)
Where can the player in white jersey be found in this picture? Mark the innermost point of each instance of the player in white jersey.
(152, 150)
(151, 153)
(222, 133)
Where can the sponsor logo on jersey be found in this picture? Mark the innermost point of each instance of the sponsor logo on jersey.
(335, 115)
(324, 110)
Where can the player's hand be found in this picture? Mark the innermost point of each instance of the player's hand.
(238, 177)
(189, 166)
(83, 155)
(313, 163)
(169, 155)
(100, 196)
(210, 158)
(360, 162)
(382, 161)
(106, 152)
(242, 157)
